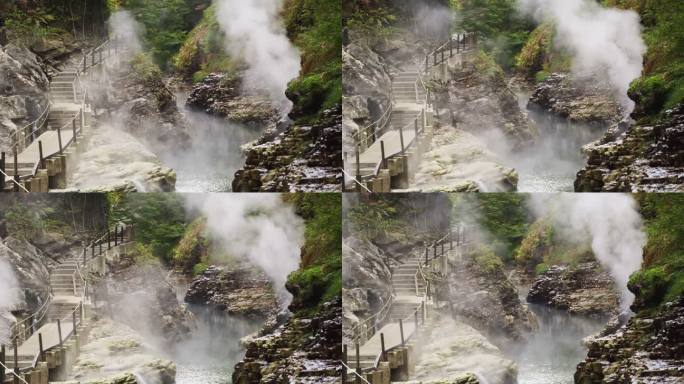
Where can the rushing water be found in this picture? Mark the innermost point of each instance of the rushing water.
(552, 354)
(210, 163)
(551, 165)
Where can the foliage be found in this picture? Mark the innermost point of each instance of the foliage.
(373, 218)
(487, 261)
(487, 67)
(199, 268)
(319, 277)
(145, 69)
(166, 24)
(315, 27)
(505, 217)
(192, 247)
(159, 220)
(25, 222)
(662, 275)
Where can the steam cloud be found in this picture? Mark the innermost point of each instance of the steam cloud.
(601, 40)
(123, 25)
(8, 298)
(258, 227)
(610, 221)
(255, 34)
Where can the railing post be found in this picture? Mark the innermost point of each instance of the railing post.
(40, 346)
(451, 47)
(73, 126)
(59, 139)
(415, 320)
(401, 139)
(59, 331)
(401, 331)
(442, 248)
(382, 153)
(427, 65)
(40, 154)
(422, 308)
(100, 246)
(434, 251)
(85, 62)
(16, 362)
(346, 362)
(92, 57)
(80, 312)
(100, 55)
(434, 58)
(358, 364)
(427, 289)
(426, 255)
(2, 361)
(442, 56)
(108, 239)
(92, 250)
(73, 319)
(116, 236)
(2, 179)
(383, 356)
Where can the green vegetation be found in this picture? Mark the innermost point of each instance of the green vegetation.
(315, 28)
(487, 261)
(662, 275)
(145, 69)
(191, 253)
(319, 277)
(505, 217)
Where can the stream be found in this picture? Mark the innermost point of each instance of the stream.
(551, 165)
(210, 163)
(552, 354)
(209, 356)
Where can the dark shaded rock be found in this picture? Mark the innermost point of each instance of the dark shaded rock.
(584, 290)
(306, 349)
(648, 350)
(637, 157)
(240, 291)
(298, 158)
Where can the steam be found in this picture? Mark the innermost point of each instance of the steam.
(610, 221)
(8, 298)
(601, 40)
(256, 227)
(255, 34)
(123, 25)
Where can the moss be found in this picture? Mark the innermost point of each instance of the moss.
(487, 261)
(541, 268)
(145, 69)
(535, 54)
(199, 268)
(193, 247)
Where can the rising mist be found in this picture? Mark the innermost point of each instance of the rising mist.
(603, 41)
(8, 298)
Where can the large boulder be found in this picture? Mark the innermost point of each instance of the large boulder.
(585, 289)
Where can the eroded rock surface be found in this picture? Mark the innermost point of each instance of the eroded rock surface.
(648, 350)
(582, 290)
(637, 157)
(304, 350)
(237, 291)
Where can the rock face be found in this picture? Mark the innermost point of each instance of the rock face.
(583, 290)
(304, 350)
(139, 296)
(480, 294)
(456, 353)
(477, 99)
(459, 161)
(298, 158)
(367, 281)
(117, 354)
(636, 157)
(583, 100)
(23, 90)
(29, 267)
(240, 291)
(223, 95)
(649, 350)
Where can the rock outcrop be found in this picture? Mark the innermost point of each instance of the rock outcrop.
(305, 349)
(296, 158)
(459, 161)
(582, 290)
(454, 352)
(479, 293)
(243, 291)
(578, 99)
(649, 350)
(224, 95)
(637, 157)
(29, 268)
(23, 90)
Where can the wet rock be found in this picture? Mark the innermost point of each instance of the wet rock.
(637, 157)
(649, 350)
(30, 268)
(582, 290)
(242, 291)
(55, 50)
(479, 293)
(304, 350)
(225, 95)
(578, 99)
(297, 158)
